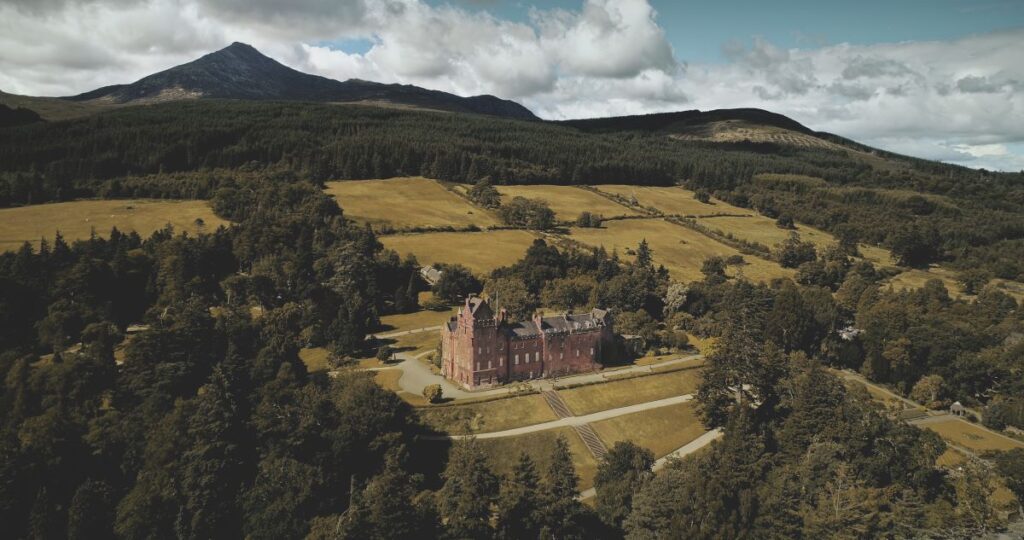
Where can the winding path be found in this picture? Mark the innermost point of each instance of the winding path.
(678, 453)
(568, 421)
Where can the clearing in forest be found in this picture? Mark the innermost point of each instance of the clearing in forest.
(405, 203)
(915, 278)
(76, 220)
(680, 249)
(481, 252)
(567, 201)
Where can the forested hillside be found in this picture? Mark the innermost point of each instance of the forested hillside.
(928, 211)
(152, 387)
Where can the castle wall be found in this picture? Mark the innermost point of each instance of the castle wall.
(480, 352)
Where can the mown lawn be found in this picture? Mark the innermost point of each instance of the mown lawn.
(970, 436)
(413, 321)
(488, 416)
(660, 430)
(620, 393)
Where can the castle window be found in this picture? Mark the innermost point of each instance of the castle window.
(488, 364)
(561, 355)
(501, 361)
(517, 359)
(577, 352)
(591, 351)
(478, 366)
(479, 350)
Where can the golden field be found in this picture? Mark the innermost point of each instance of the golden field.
(567, 201)
(680, 249)
(405, 203)
(76, 220)
(481, 252)
(672, 200)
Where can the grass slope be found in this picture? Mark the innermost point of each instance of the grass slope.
(481, 252)
(404, 203)
(660, 430)
(567, 201)
(680, 249)
(488, 416)
(78, 219)
(615, 394)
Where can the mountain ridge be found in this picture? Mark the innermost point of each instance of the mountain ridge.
(239, 71)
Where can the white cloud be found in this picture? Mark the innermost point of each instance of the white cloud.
(959, 100)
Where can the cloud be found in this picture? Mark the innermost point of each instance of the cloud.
(958, 100)
(607, 38)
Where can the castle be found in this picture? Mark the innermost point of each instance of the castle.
(481, 348)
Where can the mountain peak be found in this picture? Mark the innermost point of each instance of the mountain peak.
(239, 71)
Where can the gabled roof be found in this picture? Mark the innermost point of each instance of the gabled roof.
(479, 308)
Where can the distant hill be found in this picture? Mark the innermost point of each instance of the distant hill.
(239, 71)
(723, 126)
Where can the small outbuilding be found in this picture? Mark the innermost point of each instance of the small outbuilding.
(957, 409)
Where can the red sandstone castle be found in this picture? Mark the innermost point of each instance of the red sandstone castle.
(479, 348)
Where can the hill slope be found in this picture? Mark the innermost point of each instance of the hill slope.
(241, 72)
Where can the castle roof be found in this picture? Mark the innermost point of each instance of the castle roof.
(478, 308)
(565, 323)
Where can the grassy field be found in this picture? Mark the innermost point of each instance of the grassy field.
(78, 219)
(680, 249)
(488, 416)
(916, 278)
(417, 343)
(315, 358)
(761, 229)
(412, 321)
(480, 251)
(615, 394)
(388, 380)
(405, 203)
(567, 201)
(660, 430)
(971, 436)
(672, 200)
(504, 452)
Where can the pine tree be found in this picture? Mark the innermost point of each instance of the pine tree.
(563, 512)
(519, 505)
(469, 490)
(623, 471)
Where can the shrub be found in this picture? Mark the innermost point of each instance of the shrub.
(433, 393)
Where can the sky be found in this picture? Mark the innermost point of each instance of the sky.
(939, 79)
